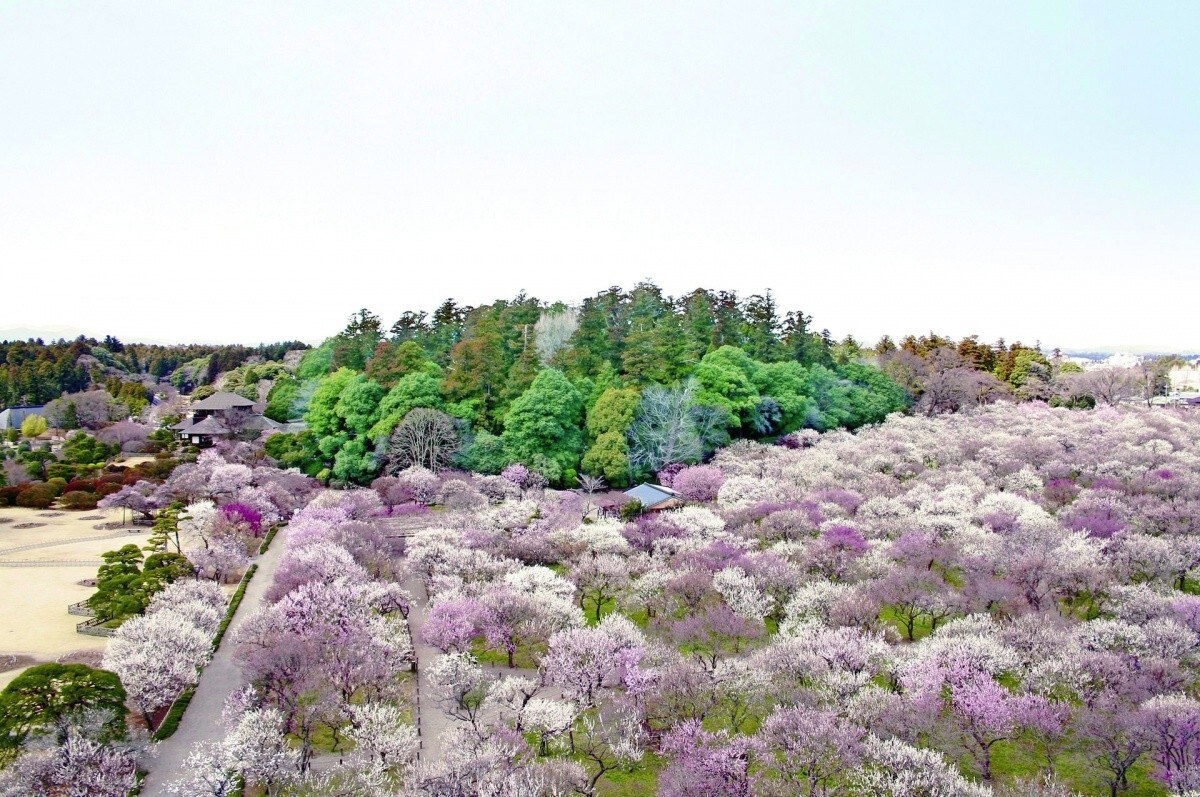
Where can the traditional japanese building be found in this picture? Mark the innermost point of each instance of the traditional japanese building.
(222, 415)
(655, 497)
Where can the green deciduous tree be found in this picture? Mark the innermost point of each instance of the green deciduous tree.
(543, 429)
(343, 409)
(419, 389)
(33, 425)
(725, 379)
(608, 422)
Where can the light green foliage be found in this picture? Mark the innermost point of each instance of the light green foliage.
(1027, 363)
(609, 457)
(281, 401)
(607, 424)
(354, 462)
(420, 389)
(322, 416)
(787, 383)
(295, 451)
(543, 428)
(33, 425)
(725, 380)
(340, 415)
(613, 411)
(484, 453)
(316, 363)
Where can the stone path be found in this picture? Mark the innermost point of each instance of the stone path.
(202, 720)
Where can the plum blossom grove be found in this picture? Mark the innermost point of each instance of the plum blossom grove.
(999, 602)
(328, 657)
(230, 498)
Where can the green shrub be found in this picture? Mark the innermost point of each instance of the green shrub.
(234, 603)
(631, 510)
(266, 543)
(59, 485)
(78, 499)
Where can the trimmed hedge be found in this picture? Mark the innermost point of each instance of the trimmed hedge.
(170, 723)
(266, 543)
(234, 603)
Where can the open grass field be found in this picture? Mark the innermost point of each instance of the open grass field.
(33, 600)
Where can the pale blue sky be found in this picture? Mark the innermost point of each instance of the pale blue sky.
(1028, 170)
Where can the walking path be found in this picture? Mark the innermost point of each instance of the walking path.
(431, 721)
(202, 720)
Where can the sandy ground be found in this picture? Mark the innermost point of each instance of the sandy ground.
(34, 620)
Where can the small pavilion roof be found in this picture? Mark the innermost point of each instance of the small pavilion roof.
(651, 495)
(209, 426)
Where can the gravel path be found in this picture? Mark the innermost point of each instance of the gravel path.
(202, 721)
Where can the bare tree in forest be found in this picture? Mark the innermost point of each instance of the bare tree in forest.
(664, 430)
(1109, 386)
(552, 331)
(425, 437)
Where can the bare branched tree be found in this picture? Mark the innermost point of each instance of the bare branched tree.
(552, 331)
(664, 430)
(425, 437)
(1109, 386)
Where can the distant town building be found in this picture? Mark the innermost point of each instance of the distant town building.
(1121, 360)
(1185, 379)
(12, 417)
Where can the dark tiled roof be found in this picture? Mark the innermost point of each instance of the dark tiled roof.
(222, 401)
(209, 426)
(651, 494)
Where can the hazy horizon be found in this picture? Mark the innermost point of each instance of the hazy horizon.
(241, 173)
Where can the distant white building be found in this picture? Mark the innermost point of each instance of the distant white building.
(1185, 379)
(1121, 360)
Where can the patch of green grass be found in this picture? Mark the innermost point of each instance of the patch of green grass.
(589, 610)
(1019, 759)
(640, 781)
(921, 628)
(523, 657)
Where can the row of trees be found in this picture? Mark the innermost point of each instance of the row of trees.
(944, 375)
(35, 372)
(627, 383)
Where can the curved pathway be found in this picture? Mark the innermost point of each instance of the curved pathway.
(202, 720)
